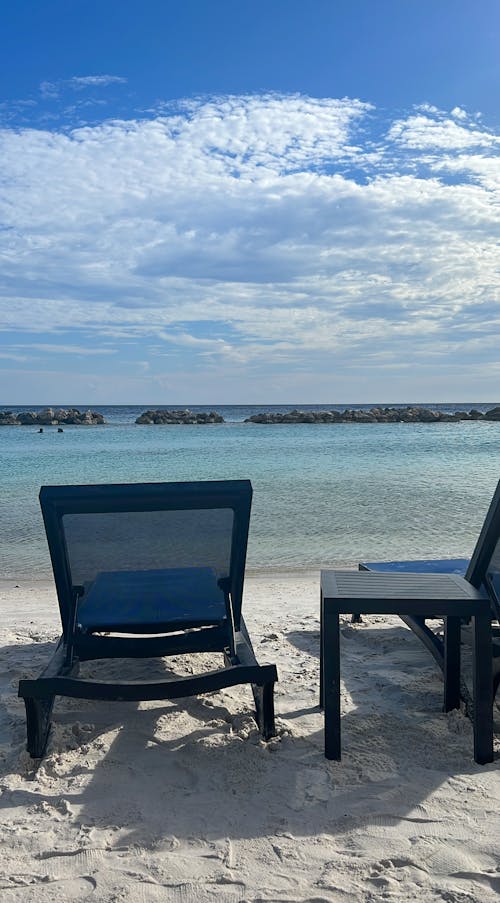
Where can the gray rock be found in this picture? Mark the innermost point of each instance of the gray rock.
(493, 414)
(45, 416)
(7, 418)
(408, 414)
(51, 417)
(27, 418)
(170, 417)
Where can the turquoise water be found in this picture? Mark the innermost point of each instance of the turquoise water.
(323, 494)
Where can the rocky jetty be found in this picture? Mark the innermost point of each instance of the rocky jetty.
(373, 415)
(51, 417)
(179, 417)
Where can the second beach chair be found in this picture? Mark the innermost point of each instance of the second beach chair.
(485, 560)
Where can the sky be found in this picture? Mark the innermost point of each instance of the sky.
(256, 202)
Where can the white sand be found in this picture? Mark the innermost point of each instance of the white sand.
(183, 802)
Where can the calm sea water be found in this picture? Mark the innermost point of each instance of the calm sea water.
(323, 493)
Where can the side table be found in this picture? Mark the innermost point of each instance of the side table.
(446, 596)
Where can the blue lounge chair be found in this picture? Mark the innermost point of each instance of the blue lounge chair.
(482, 568)
(147, 570)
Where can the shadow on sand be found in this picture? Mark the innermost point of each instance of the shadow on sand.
(154, 771)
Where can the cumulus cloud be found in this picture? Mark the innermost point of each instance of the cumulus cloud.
(95, 81)
(265, 232)
(54, 348)
(420, 132)
(459, 113)
(51, 90)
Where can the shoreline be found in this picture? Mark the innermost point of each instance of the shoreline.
(254, 573)
(25, 601)
(256, 414)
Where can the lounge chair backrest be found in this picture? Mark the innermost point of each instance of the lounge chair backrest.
(493, 580)
(484, 566)
(146, 526)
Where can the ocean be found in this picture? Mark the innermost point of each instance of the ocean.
(324, 494)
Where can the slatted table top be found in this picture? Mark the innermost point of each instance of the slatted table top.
(397, 591)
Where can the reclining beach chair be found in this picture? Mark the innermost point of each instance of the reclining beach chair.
(144, 571)
(483, 566)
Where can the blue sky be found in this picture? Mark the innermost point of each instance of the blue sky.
(213, 202)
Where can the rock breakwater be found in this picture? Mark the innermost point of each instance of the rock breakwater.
(373, 415)
(179, 417)
(51, 417)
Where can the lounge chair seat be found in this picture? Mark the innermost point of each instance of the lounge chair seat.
(419, 566)
(159, 601)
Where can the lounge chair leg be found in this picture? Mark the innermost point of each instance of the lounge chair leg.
(38, 715)
(264, 709)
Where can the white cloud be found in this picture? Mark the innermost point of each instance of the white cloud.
(262, 231)
(52, 90)
(458, 113)
(11, 356)
(94, 81)
(422, 132)
(53, 348)
(427, 108)
(483, 168)
(49, 90)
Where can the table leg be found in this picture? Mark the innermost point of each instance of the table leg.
(331, 680)
(451, 665)
(483, 689)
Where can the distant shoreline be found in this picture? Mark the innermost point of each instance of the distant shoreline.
(248, 404)
(60, 417)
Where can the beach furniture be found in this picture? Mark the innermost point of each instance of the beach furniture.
(147, 570)
(418, 594)
(472, 569)
(430, 639)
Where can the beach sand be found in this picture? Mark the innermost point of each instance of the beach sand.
(184, 802)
